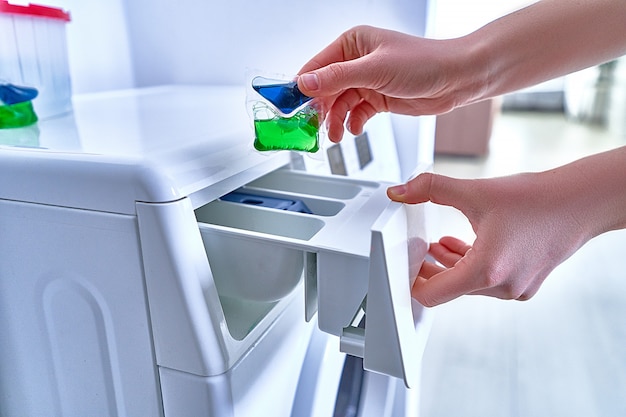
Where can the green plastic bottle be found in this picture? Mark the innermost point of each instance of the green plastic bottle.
(17, 115)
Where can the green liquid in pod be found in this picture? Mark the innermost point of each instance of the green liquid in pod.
(298, 133)
(17, 115)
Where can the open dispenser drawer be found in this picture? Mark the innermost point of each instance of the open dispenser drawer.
(356, 250)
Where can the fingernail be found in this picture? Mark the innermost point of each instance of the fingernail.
(310, 81)
(398, 190)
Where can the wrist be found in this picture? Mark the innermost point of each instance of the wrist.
(470, 69)
(594, 191)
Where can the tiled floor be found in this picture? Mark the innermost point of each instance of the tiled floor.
(563, 353)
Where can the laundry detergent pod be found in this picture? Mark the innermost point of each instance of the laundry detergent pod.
(283, 117)
(16, 107)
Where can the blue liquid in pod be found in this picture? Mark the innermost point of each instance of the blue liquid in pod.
(286, 96)
(13, 94)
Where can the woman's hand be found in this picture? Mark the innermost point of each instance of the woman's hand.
(525, 226)
(369, 70)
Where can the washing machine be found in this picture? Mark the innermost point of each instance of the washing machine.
(131, 286)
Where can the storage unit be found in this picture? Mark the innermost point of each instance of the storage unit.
(33, 53)
(128, 287)
(466, 130)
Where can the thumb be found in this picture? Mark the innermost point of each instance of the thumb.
(335, 78)
(432, 187)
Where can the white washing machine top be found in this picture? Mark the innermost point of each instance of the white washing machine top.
(151, 145)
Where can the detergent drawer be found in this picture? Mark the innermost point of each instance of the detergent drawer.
(356, 250)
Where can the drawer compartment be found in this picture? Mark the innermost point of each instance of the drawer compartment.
(302, 183)
(354, 257)
(258, 253)
(244, 264)
(259, 219)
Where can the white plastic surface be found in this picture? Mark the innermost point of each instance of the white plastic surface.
(75, 337)
(320, 377)
(154, 145)
(264, 383)
(381, 147)
(389, 313)
(191, 332)
(341, 246)
(370, 248)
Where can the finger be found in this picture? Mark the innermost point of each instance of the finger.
(432, 288)
(440, 288)
(339, 66)
(436, 188)
(455, 245)
(415, 191)
(334, 78)
(429, 269)
(342, 105)
(448, 284)
(351, 109)
(444, 255)
(336, 51)
(334, 123)
(359, 115)
(335, 128)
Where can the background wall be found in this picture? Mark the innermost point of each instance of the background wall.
(215, 41)
(126, 43)
(123, 43)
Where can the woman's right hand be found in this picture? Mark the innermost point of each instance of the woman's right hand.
(369, 70)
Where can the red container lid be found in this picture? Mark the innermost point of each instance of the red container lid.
(34, 10)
